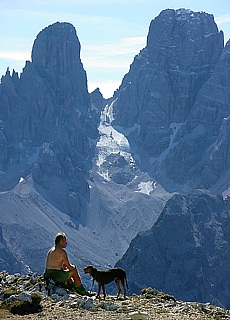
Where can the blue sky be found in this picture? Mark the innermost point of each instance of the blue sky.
(111, 32)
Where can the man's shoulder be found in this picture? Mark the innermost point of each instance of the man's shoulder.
(51, 249)
(57, 250)
(61, 250)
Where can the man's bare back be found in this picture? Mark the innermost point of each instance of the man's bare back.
(55, 258)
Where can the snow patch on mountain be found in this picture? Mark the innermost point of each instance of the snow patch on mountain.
(146, 187)
(111, 142)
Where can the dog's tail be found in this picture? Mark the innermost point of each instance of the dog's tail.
(126, 282)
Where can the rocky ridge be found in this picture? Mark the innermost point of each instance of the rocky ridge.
(150, 304)
(186, 252)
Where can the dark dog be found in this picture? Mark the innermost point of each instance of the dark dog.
(104, 277)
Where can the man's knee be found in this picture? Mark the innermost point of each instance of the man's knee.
(73, 272)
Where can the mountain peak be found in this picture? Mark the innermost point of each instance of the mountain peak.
(56, 48)
(173, 27)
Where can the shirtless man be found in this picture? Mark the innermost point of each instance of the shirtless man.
(58, 267)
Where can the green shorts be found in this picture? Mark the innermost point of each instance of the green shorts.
(59, 276)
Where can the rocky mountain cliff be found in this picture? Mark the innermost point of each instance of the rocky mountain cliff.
(102, 170)
(175, 100)
(186, 252)
(46, 125)
(53, 173)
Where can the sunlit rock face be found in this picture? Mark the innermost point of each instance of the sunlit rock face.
(175, 97)
(46, 122)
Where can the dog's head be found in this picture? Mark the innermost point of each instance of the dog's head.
(89, 269)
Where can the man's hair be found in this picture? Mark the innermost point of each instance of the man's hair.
(59, 236)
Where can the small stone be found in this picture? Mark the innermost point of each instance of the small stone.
(110, 306)
(74, 305)
(61, 292)
(41, 314)
(12, 298)
(89, 305)
(25, 296)
(137, 315)
(10, 278)
(55, 297)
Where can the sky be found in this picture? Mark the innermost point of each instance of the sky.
(111, 32)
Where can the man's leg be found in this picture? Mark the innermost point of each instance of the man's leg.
(75, 277)
(76, 283)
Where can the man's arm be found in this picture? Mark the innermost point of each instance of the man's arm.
(66, 263)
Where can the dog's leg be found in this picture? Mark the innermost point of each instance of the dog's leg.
(103, 288)
(123, 285)
(117, 281)
(98, 292)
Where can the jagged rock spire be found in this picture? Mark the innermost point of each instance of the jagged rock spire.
(56, 48)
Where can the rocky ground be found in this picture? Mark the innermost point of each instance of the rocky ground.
(27, 294)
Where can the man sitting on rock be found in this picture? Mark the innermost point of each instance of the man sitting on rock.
(59, 269)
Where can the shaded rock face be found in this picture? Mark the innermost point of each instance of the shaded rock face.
(173, 94)
(186, 251)
(46, 122)
(182, 50)
(63, 46)
(97, 103)
(201, 151)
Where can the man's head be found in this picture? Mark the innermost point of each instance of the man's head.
(60, 240)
